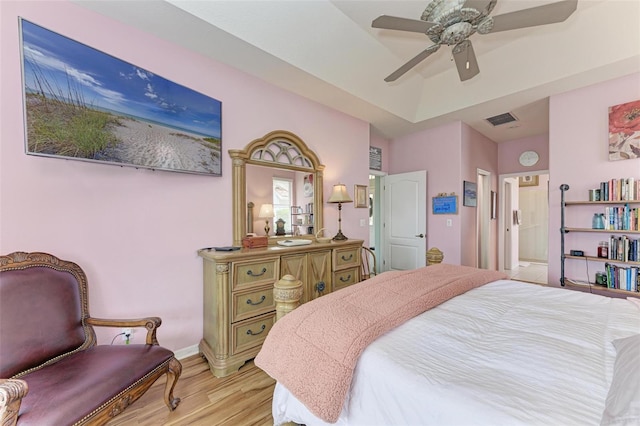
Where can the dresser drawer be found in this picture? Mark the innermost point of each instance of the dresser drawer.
(346, 277)
(254, 273)
(251, 303)
(251, 333)
(346, 257)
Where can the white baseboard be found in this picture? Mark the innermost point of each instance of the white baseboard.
(186, 352)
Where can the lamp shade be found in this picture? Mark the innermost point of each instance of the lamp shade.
(339, 194)
(266, 210)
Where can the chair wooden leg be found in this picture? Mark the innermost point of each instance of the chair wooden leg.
(173, 374)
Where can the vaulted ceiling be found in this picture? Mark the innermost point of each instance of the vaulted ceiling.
(327, 51)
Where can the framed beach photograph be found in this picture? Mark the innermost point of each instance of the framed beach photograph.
(83, 104)
(361, 197)
(469, 192)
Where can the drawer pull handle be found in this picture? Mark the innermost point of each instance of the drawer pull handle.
(344, 280)
(251, 273)
(251, 333)
(320, 286)
(249, 302)
(347, 258)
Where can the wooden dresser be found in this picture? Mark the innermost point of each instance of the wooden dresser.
(239, 309)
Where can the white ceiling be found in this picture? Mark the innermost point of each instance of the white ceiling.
(326, 50)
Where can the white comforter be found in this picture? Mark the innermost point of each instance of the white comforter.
(507, 353)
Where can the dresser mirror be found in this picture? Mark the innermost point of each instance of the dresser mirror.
(289, 156)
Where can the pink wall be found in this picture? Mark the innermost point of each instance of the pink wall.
(438, 151)
(509, 154)
(578, 156)
(478, 152)
(450, 154)
(136, 232)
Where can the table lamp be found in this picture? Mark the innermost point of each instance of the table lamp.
(266, 212)
(339, 196)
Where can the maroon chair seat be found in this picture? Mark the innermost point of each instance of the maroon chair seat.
(56, 373)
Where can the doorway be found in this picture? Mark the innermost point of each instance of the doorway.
(524, 226)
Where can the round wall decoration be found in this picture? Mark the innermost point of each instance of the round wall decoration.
(529, 158)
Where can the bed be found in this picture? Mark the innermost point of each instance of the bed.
(500, 353)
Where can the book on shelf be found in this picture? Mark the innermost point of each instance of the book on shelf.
(622, 278)
(624, 249)
(621, 218)
(624, 189)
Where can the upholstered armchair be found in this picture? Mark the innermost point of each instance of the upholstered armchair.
(51, 369)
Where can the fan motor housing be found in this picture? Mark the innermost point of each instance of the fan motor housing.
(455, 33)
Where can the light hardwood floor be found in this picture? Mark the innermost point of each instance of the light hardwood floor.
(241, 399)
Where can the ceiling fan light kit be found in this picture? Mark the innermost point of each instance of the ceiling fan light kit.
(452, 22)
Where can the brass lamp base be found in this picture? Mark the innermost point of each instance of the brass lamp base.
(339, 236)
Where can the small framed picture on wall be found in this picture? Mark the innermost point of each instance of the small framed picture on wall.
(469, 194)
(528, 180)
(361, 196)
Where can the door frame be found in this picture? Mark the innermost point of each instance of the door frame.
(484, 256)
(378, 214)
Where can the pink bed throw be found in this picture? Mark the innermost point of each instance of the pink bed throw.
(313, 350)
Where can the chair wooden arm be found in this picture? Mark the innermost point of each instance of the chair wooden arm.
(150, 323)
(11, 393)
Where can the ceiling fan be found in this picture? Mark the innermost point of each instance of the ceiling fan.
(451, 22)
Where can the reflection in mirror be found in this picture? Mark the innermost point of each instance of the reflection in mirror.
(277, 169)
(288, 191)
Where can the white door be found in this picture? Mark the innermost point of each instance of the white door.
(404, 221)
(511, 235)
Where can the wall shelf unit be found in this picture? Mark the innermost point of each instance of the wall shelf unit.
(605, 231)
(600, 259)
(564, 230)
(577, 203)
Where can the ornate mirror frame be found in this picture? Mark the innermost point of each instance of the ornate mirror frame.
(279, 149)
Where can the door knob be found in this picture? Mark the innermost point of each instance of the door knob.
(420, 235)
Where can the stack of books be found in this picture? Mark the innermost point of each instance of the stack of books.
(624, 249)
(625, 189)
(622, 278)
(621, 218)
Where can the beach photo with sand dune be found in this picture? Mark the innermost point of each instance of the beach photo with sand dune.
(83, 104)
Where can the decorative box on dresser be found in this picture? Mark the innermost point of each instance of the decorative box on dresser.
(239, 308)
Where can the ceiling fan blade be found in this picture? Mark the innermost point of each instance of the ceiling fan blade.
(466, 61)
(540, 15)
(480, 5)
(402, 24)
(412, 63)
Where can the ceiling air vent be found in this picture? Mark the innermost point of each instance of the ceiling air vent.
(500, 119)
